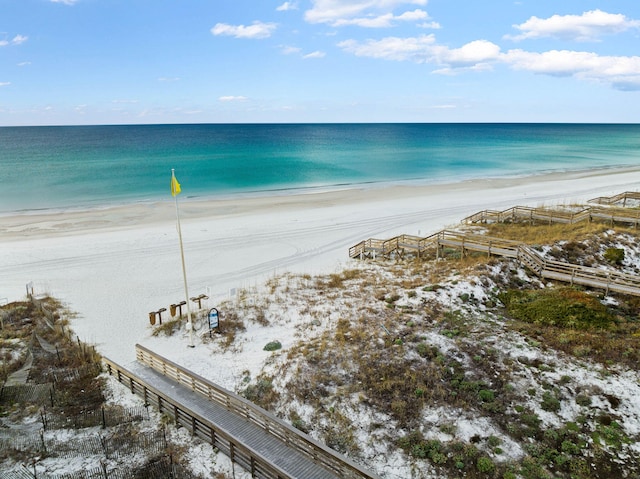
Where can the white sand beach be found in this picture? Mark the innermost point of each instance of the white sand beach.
(115, 265)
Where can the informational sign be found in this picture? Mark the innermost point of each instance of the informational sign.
(214, 319)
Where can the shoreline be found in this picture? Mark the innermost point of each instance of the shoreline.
(19, 225)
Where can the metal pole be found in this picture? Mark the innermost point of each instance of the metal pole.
(184, 270)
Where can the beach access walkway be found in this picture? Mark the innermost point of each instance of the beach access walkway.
(609, 280)
(252, 437)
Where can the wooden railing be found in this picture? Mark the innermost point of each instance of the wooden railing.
(608, 280)
(531, 214)
(546, 215)
(610, 200)
(294, 438)
(200, 426)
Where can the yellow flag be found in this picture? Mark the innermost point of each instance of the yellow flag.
(175, 186)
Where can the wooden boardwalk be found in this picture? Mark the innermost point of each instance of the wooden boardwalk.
(550, 269)
(252, 437)
(623, 198)
(609, 215)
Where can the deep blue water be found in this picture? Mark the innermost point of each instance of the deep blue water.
(85, 166)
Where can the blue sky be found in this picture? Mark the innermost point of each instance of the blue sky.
(236, 61)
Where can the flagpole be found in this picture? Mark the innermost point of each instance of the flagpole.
(184, 269)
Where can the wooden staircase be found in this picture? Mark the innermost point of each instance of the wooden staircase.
(609, 280)
(621, 197)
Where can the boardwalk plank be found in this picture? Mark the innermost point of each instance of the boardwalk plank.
(277, 452)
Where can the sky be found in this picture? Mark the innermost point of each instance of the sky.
(76, 62)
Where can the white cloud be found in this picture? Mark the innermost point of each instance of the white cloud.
(589, 26)
(5, 83)
(257, 30)
(24, 64)
(417, 49)
(287, 6)
(316, 54)
(19, 39)
(382, 21)
(357, 12)
(232, 98)
(472, 54)
(423, 49)
(288, 50)
(65, 2)
(430, 25)
(622, 73)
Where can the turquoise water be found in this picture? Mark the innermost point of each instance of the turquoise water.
(86, 166)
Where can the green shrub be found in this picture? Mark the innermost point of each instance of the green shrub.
(614, 255)
(393, 298)
(563, 307)
(550, 402)
(583, 400)
(426, 351)
(494, 441)
(570, 448)
(262, 393)
(486, 395)
(611, 434)
(272, 346)
(485, 465)
(530, 419)
(298, 422)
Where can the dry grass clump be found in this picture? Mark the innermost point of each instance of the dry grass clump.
(537, 234)
(167, 328)
(262, 392)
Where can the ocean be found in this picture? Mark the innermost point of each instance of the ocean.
(94, 166)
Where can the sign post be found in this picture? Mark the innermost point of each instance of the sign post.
(214, 320)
